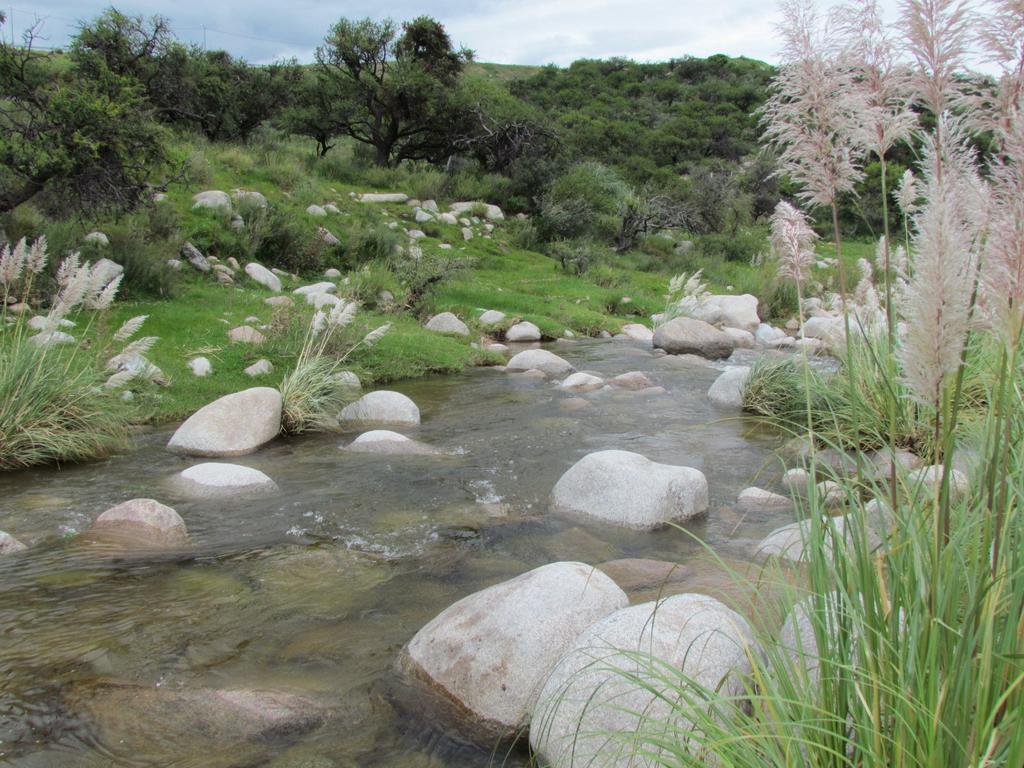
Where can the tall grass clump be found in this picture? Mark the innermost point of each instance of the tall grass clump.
(904, 591)
(313, 392)
(57, 401)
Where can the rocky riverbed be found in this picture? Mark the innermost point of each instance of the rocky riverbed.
(279, 633)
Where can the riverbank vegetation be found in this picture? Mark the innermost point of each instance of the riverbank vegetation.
(903, 644)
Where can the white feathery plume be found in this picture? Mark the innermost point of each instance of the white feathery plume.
(1003, 263)
(792, 241)
(130, 328)
(879, 98)
(1001, 36)
(318, 323)
(937, 305)
(937, 34)
(374, 336)
(105, 297)
(73, 292)
(35, 260)
(342, 314)
(121, 378)
(899, 261)
(68, 269)
(907, 194)
(140, 347)
(808, 117)
(12, 260)
(686, 295)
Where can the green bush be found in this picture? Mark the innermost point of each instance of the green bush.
(523, 233)
(741, 247)
(584, 202)
(368, 243)
(367, 284)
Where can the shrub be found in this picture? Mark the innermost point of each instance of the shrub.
(54, 403)
(523, 233)
(584, 202)
(368, 243)
(740, 247)
(311, 393)
(367, 284)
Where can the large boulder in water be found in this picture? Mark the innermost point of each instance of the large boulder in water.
(390, 443)
(727, 391)
(613, 681)
(489, 653)
(689, 336)
(214, 480)
(140, 524)
(630, 490)
(159, 723)
(381, 408)
(233, 425)
(446, 322)
(9, 545)
(731, 311)
(541, 360)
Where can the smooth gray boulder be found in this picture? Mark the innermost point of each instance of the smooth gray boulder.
(9, 545)
(490, 653)
(731, 311)
(759, 500)
(491, 212)
(581, 382)
(195, 257)
(630, 490)
(263, 276)
(200, 366)
(638, 332)
(524, 331)
(492, 317)
(727, 390)
(139, 524)
(634, 380)
(446, 322)
(742, 339)
(97, 238)
(636, 574)
(316, 210)
(381, 408)
(261, 367)
(250, 197)
(324, 286)
(613, 682)
(689, 336)
(232, 425)
(214, 480)
(383, 197)
(390, 443)
(541, 360)
(213, 198)
(245, 334)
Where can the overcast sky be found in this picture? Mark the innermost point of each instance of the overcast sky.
(505, 31)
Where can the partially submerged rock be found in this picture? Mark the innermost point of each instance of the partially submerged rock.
(548, 363)
(687, 335)
(489, 653)
(630, 490)
(381, 408)
(219, 480)
(232, 425)
(9, 545)
(140, 524)
(581, 382)
(759, 500)
(613, 679)
(390, 443)
(727, 390)
(637, 574)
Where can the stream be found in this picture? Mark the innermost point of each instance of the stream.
(314, 590)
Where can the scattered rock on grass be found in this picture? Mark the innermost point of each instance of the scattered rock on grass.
(446, 322)
(261, 367)
(200, 366)
(245, 334)
(524, 331)
(263, 276)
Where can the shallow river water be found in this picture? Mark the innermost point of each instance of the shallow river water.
(314, 590)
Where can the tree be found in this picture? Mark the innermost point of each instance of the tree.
(87, 139)
(393, 91)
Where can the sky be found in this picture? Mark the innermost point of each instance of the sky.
(503, 31)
